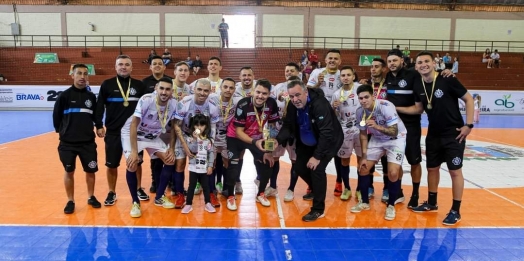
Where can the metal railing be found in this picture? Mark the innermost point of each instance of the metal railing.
(286, 42)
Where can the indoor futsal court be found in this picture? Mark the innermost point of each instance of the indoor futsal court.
(34, 227)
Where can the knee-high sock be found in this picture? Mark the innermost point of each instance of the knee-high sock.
(219, 168)
(393, 189)
(338, 165)
(274, 175)
(363, 182)
(132, 183)
(164, 179)
(293, 178)
(211, 181)
(156, 170)
(344, 173)
(179, 181)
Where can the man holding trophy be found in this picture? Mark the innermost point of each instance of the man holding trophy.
(252, 128)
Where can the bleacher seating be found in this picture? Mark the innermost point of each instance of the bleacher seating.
(18, 67)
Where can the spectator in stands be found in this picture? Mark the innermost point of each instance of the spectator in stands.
(152, 54)
(189, 62)
(303, 59)
(313, 59)
(398, 47)
(440, 66)
(448, 61)
(495, 59)
(222, 28)
(455, 68)
(437, 58)
(405, 55)
(307, 71)
(197, 64)
(486, 57)
(167, 57)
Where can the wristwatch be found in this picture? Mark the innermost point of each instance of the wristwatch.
(469, 125)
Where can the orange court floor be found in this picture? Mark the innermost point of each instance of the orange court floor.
(34, 197)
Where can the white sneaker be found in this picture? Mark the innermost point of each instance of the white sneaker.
(187, 209)
(399, 200)
(164, 202)
(270, 192)
(135, 210)
(231, 203)
(359, 207)
(209, 208)
(289, 196)
(390, 213)
(263, 200)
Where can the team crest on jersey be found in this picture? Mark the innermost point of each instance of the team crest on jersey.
(88, 103)
(150, 116)
(239, 112)
(402, 83)
(132, 91)
(439, 93)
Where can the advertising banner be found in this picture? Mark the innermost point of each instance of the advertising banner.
(498, 102)
(43, 96)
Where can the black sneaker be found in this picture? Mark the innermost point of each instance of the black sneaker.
(425, 207)
(142, 194)
(452, 218)
(111, 199)
(312, 216)
(94, 202)
(69, 208)
(308, 196)
(152, 189)
(413, 202)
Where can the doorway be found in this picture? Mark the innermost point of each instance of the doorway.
(241, 30)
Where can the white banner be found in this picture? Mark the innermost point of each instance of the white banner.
(498, 102)
(34, 96)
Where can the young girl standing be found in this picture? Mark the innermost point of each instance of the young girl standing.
(200, 161)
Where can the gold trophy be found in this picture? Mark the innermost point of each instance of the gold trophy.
(269, 142)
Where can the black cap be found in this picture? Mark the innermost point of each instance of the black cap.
(396, 52)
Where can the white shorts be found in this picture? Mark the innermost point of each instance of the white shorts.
(394, 149)
(151, 146)
(280, 151)
(351, 142)
(179, 149)
(222, 151)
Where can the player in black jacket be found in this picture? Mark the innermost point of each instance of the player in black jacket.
(318, 138)
(118, 97)
(73, 118)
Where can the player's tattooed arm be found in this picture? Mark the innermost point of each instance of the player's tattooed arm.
(391, 131)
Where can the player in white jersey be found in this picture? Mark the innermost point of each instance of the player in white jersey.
(345, 103)
(141, 132)
(227, 105)
(191, 105)
(214, 66)
(327, 79)
(247, 83)
(388, 136)
(280, 94)
(180, 87)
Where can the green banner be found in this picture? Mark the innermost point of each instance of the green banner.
(46, 58)
(90, 69)
(366, 60)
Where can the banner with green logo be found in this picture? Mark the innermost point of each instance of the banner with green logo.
(90, 69)
(46, 58)
(366, 60)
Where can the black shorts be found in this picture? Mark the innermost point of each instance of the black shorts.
(235, 148)
(86, 152)
(444, 149)
(413, 152)
(114, 151)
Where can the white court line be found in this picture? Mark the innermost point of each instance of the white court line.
(27, 137)
(280, 212)
(248, 228)
(3, 148)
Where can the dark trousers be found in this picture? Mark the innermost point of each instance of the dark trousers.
(316, 179)
(203, 179)
(235, 147)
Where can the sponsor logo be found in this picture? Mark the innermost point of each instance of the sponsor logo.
(30, 97)
(3, 90)
(505, 102)
(6, 99)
